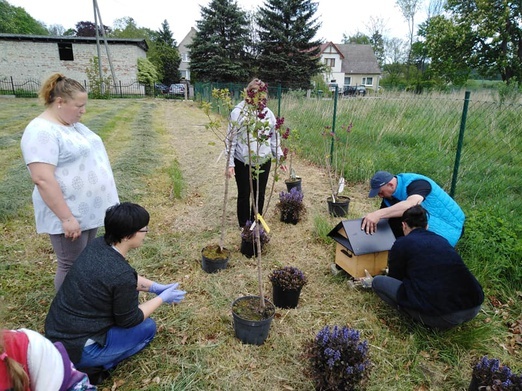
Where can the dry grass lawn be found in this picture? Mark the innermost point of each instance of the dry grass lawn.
(195, 348)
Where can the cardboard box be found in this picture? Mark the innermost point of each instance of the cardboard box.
(355, 250)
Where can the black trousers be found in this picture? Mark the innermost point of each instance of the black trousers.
(245, 211)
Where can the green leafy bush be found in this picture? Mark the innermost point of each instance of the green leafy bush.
(492, 248)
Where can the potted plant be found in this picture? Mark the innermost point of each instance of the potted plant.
(287, 283)
(291, 206)
(293, 180)
(339, 359)
(248, 244)
(252, 315)
(489, 374)
(215, 257)
(336, 161)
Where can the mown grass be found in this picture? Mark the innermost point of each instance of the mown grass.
(195, 348)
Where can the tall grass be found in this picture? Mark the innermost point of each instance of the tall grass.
(411, 133)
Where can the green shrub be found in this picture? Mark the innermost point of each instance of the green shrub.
(492, 248)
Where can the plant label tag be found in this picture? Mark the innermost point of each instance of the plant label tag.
(341, 185)
(263, 223)
(220, 156)
(252, 226)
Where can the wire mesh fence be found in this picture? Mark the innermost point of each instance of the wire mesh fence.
(469, 143)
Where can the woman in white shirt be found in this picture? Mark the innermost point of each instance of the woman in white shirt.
(68, 163)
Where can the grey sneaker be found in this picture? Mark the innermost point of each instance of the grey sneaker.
(336, 270)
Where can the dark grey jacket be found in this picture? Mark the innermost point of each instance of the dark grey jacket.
(99, 292)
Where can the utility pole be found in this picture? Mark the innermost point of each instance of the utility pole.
(97, 16)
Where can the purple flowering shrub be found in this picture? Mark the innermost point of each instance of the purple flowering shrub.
(291, 204)
(339, 359)
(288, 278)
(493, 376)
(247, 234)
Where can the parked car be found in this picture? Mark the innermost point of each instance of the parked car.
(354, 91)
(332, 86)
(177, 89)
(161, 88)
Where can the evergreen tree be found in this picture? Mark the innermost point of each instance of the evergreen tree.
(165, 35)
(219, 50)
(289, 55)
(15, 20)
(164, 54)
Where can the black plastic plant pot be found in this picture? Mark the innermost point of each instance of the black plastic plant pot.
(213, 260)
(251, 322)
(285, 298)
(339, 208)
(290, 184)
(248, 249)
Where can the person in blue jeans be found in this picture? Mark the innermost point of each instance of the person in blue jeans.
(96, 314)
(427, 278)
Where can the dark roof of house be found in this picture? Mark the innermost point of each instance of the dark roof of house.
(86, 40)
(356, 58)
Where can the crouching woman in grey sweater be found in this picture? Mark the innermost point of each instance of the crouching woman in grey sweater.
(96, 314)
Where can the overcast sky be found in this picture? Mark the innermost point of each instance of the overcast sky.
(337, 16)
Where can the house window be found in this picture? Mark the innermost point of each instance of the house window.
(367, 81)
(330, 62)
(65, 51)
(347, 81)
(185, 57)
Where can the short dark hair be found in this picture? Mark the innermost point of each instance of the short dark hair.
(124, 220)
(416, 217)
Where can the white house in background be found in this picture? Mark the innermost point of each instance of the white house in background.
(350, 65)
(184, 52)
(24, 57)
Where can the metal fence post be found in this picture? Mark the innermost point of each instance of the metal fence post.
(279, 94)
(459, 143)
(333, 123)
(12, 86)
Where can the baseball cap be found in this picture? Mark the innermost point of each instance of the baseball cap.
(378, 180)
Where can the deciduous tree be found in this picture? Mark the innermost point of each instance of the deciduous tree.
(15, 20)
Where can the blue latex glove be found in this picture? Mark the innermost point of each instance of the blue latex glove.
(159, 288)
(172, 295)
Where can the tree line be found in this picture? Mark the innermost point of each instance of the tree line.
(458, 40)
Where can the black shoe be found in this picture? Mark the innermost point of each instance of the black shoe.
(96, 375)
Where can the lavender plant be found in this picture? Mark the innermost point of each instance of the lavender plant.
(490, 375)
(339, 359)
(247, 233)
(288, 278)
(291, 205)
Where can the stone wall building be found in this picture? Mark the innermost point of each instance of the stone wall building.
(30, 57)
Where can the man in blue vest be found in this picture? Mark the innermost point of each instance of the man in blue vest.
(403, 191)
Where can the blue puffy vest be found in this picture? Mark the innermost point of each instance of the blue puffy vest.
(445, 216)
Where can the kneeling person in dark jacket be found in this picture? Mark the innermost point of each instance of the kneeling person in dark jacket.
(96, 314)
(427, 278)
